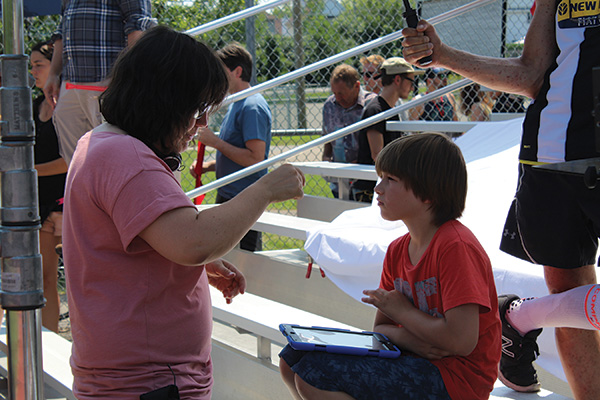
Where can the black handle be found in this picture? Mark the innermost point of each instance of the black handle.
(590, 177)
(410, 15)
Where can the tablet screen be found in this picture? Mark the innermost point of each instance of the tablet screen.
(338, 338)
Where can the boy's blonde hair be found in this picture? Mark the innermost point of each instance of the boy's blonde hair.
(433, 167)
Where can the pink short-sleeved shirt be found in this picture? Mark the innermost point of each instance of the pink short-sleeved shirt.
(133, 312)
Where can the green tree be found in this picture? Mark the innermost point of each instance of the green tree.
(367, 20)
(185, 15)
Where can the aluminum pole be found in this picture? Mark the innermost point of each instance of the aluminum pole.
(22, 293)
(251, 41)
(299, 63)
(326, 139)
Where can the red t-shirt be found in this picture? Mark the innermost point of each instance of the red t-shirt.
(453, 271)
(132, 311)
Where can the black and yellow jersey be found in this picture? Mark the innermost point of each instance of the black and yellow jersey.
(559, 125)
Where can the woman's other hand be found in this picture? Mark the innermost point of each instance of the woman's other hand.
(224, 276)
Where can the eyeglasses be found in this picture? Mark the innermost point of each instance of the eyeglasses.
(198, 115)
(409, 79)
(369, 74)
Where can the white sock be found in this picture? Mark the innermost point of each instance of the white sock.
(575, 308)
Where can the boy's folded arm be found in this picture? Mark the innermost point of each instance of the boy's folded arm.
(457, 332)
(405, 340)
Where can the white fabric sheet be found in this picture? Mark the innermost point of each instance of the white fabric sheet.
(351, 249)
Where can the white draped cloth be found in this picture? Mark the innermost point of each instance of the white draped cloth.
(351, 249)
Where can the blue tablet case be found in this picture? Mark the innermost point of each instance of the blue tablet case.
(340, 341)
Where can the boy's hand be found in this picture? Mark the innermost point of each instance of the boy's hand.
(208, 137)
(193, 169)
(392, 303)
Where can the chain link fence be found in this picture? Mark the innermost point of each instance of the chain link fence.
(302, 32)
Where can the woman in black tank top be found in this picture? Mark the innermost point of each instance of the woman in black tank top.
(51, 170)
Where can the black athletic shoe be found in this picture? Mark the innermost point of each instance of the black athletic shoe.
(518, 353)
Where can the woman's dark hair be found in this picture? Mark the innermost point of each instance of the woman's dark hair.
(159, 84)
(44, 48)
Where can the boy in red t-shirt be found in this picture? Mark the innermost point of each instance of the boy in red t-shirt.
(436, 301)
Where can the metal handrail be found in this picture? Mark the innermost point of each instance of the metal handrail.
(351, 128)
(347, 54)
(248, 12)
(326, 139)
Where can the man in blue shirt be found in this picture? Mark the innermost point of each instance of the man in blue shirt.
(90, 37)
(245, 135)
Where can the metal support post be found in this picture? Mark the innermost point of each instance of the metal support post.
(22, 293)
(299, 63)
(251, 40)
(503, 28)
(264, 350)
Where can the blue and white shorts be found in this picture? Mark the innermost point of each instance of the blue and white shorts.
(368, 378)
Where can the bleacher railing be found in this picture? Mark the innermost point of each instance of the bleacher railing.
(349, 129)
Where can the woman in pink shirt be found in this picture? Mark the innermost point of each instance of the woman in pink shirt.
(138, 254)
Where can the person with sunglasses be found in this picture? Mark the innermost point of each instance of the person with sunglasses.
(370, 71)
(398, 78)
(442, 108)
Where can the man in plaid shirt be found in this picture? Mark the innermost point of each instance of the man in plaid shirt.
(89, 39)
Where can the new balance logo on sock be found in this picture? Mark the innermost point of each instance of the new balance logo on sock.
(506, 343)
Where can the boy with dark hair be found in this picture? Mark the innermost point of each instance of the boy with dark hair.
(234, 55)
(436, 301)
(245, 135)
